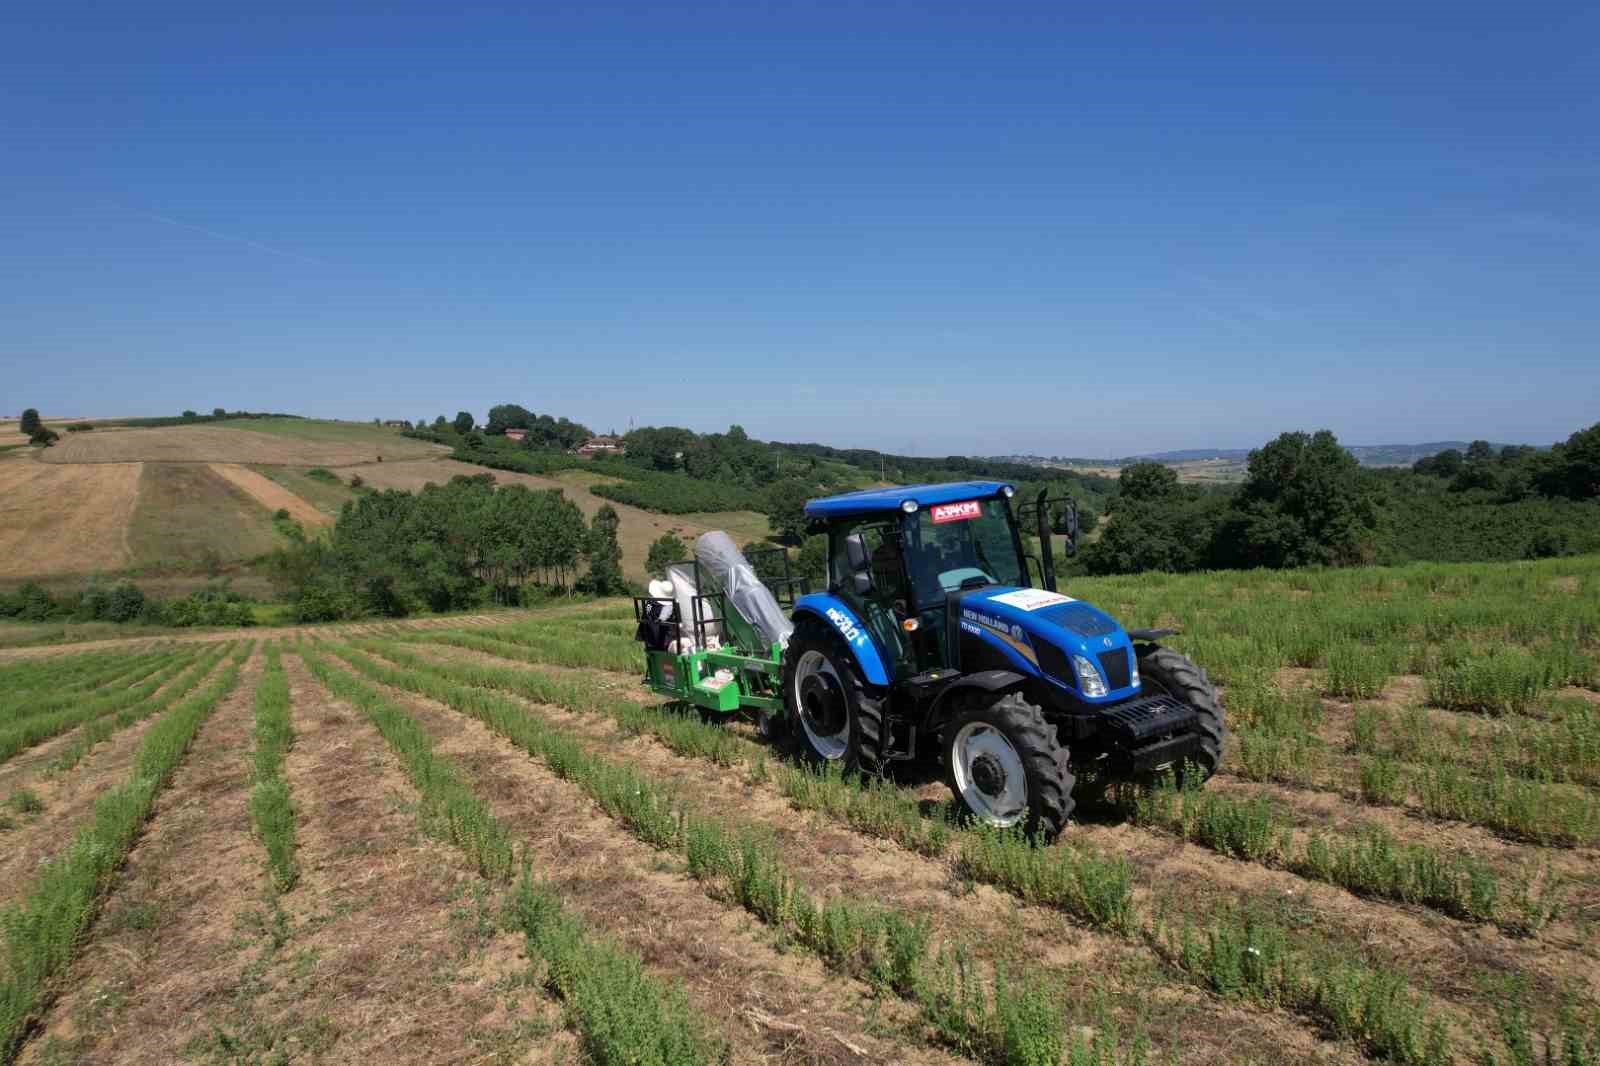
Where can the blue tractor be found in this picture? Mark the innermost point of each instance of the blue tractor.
(939, 637)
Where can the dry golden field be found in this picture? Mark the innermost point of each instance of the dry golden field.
(64, 519)
(231, 444)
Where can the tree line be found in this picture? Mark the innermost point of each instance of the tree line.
(448, 547)
(1306, 501)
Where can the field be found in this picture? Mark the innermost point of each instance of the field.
(64, 519)
(189, 516)
(480, 840)
(286, 442)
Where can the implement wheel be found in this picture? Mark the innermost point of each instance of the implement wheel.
(830, 711)
(1168, 672)
(1006, 765)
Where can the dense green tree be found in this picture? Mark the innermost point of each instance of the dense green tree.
(43, 437)
(463, 423)
(1572, 469)
(812, 563)
(441, 423)
(666, 548)
(605, 554)
(1304, 502)
(219, 412)
(30, 421)
(1175, 533)
(1147, 481)
(504, 416)
(786, 509)
(191, 414)
(1446, 464)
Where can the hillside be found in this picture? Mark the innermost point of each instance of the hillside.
(1228, 464)
(168, 501)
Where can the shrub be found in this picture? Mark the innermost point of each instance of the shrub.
(321, 473)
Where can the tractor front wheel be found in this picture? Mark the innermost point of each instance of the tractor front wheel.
(1008, 768)
(830, 711)
(1174, 674)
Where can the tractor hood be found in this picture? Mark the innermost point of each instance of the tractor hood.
(1042, 632)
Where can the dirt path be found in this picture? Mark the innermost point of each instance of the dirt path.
(66, 798)
(391, 953)
(271, 495)
(165, 954)
(838, 860)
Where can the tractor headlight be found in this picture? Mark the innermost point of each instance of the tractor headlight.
(908, 506)
(1089, 679)
(1009, 491)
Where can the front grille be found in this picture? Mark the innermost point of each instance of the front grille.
(1114, 664)
(1140, 720)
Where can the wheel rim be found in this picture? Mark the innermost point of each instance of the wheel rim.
(824, 714)
(989, 774)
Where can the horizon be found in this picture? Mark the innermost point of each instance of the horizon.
(918, 229)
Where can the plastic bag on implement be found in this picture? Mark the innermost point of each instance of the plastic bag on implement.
(724, 565)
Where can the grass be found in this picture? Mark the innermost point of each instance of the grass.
(190, 517)
(382, 439)
(271, 807)
(327, 495)
(41, 933)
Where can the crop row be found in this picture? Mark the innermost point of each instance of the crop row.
(1275, 739)
(32, 730)
(271, 808)
(60, 690)
(102, 728)
(1391, 1020)
(621, 1014)
(1367, 863)
(887, 947)
(42, 931)
(1565, 748)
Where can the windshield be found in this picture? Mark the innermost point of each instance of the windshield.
(952, 542)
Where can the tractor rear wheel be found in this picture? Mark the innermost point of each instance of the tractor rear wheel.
(1176, 675)
(831, 712)
(1008, 768)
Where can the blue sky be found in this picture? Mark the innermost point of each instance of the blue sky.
(924, 227)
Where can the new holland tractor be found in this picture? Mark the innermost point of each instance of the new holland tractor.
(932, 640)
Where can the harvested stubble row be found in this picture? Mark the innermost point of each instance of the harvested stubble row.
(1318, 980)
(42, 932)
(621, 1014)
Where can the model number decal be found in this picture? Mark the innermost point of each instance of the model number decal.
(851, 632)
(956, 512)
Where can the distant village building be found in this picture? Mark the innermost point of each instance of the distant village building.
(397, 423)
(602, 445)
(516, 434)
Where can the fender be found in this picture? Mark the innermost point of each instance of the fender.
(983, 681)
(833, 611)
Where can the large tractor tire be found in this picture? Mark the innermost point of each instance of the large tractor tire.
(1166, 671)
(1006, 765)
(832, 714)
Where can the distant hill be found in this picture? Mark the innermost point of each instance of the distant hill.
(1366, 455)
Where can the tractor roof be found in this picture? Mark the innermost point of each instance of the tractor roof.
(870, 501)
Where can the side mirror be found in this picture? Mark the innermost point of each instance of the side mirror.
(855, 553)
(1066, 524)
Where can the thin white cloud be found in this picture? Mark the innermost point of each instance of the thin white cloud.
(230, 238)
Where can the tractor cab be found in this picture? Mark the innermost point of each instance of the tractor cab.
(901, 557)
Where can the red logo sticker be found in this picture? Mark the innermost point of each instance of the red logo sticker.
(956, 512)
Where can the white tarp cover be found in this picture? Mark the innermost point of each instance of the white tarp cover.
(683, 593)
(724, 565)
